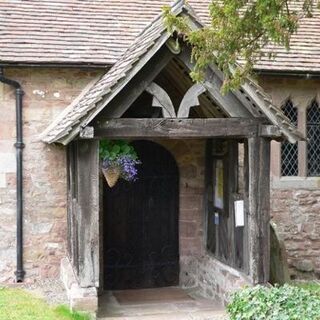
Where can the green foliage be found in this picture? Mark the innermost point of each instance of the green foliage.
(239, 29)
(275, 303)
(113, 149)
(17, 304)
(311, 286)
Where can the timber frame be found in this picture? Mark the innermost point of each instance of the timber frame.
(180, 128)
(246, 115)
(256, 197)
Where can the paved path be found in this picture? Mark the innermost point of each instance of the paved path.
(158, 304)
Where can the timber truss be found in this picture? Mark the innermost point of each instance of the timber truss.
(135, 72)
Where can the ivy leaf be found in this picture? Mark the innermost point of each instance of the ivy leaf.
(125, 149)
(116, 149)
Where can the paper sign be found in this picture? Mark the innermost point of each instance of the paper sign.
(216, 218)
(239, 213)
(218, 197)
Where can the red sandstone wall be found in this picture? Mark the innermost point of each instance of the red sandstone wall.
(297, 215)
(189, 155)
(295, 201)
(198, 268)
(47, 92)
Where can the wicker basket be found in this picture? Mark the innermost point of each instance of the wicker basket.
(112, 176)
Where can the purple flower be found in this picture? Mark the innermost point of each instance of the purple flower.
(127, 165)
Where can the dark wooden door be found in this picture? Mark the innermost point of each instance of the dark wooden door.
(141, 241)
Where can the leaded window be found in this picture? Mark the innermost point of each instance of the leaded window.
(289, 151)
(313, 135)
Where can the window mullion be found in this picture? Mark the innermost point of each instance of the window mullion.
(276, 158)
(302, 145)
(313, 144)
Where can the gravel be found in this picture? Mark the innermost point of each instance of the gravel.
(52, 290)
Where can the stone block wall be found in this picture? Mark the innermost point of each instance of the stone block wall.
(47, 92)
(214, 279)
(295, 201)
(297, 216)
(189, 155)
(198, 268)
(80, 299)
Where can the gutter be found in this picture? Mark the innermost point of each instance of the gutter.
(19, 145)
(290, 74)
(85, 66)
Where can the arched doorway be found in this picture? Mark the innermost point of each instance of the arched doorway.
(141, 224)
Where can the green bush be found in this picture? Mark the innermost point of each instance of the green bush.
(275, 303)
(310, 286)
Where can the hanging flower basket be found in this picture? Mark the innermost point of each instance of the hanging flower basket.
(111, 175)
(119, 160)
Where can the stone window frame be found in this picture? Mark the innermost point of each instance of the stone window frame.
(302, 180)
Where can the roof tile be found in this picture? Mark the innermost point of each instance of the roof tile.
(98, 32)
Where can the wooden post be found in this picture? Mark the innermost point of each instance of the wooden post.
(88, 212)
(259, 209)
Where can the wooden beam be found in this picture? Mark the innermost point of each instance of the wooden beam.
(240, 94)
(88, 212)
(161, 99)
(270, 131)
(177, 128)
(212, 82)
(190, 99)
(121, 103)
(259, 209)
(246, 206)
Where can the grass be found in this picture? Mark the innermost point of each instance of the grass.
(17, 304)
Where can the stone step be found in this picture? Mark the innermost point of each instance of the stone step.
(200, 315)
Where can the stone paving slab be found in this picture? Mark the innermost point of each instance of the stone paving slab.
(165, 303)
(174, 316)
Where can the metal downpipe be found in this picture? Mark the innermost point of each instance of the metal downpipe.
(19, 145)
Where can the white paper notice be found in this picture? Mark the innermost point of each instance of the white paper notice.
(239, 213)
(216, 218)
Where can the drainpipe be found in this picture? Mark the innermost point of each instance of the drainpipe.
(19, 145)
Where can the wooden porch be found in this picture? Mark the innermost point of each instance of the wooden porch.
(148, 94)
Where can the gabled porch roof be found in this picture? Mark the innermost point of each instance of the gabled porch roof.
(251, 99)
